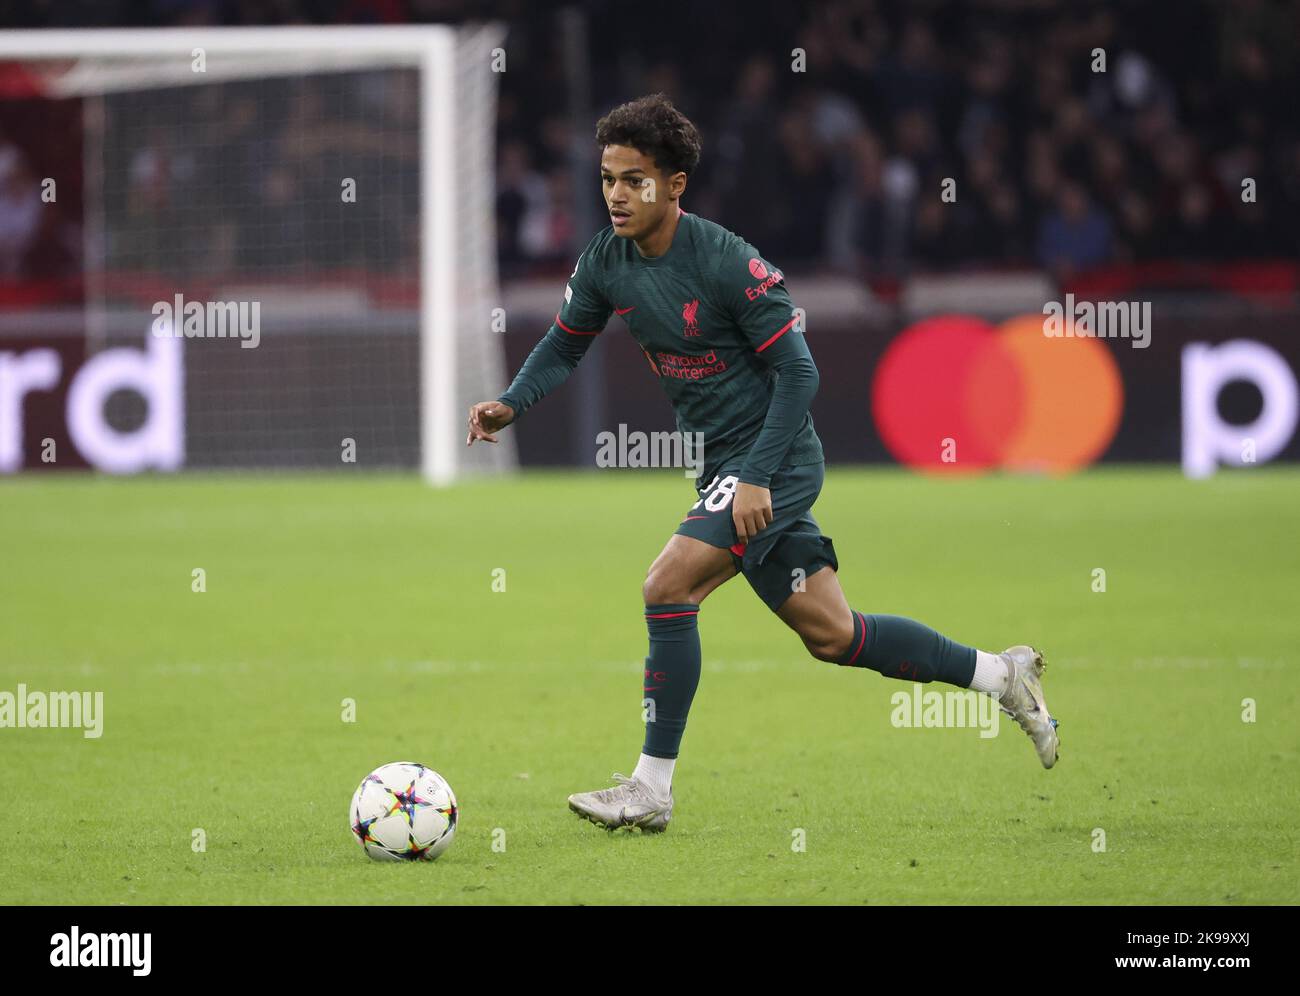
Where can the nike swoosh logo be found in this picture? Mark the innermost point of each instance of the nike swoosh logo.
(633, 814)
(624, 311)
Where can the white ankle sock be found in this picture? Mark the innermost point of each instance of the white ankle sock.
(657, 773)
(990, 674)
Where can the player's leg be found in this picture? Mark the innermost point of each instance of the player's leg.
(698, 558)
(680, 578)
(897, 647)
(686, 570)
(894, 646)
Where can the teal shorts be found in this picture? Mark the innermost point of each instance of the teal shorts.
(791, 549)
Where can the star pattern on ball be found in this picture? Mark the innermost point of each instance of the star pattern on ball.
(408, 802)
(362, 829)
(449, 813)
(407, 789)
(414, 851)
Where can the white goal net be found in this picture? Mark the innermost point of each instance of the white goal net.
(284, 243)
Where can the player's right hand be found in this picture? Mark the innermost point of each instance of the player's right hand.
(486, 418)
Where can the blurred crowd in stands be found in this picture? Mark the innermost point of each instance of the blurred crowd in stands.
(277, 175)
(1054, 162)
(832, 130)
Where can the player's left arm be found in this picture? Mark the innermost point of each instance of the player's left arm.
(757, 298)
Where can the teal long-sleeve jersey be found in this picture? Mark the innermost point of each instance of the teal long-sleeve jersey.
(717, 326)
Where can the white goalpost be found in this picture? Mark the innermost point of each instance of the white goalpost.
(298, 111)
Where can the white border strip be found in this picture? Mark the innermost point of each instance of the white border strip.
(410, 41)
(438, 261)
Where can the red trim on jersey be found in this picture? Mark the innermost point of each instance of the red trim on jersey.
(671, 615)
(784, 329)
(738, 549)
(573, 331)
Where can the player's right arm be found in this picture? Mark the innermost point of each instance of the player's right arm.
(580, 319)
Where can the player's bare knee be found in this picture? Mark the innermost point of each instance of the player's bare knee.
(664, 586)
(826, 641)
(824, 649)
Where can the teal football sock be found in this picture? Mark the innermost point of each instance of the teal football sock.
(906, 649)
(672, 673)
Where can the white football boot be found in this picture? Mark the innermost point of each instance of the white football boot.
(1023, 701)
(628, 804)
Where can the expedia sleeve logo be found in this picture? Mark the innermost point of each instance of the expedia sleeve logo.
(767, 279)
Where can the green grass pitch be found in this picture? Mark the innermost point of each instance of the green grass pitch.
(223, 709)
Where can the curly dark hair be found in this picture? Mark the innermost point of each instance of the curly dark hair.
(655, 128)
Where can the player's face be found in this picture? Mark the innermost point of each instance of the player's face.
(638, 194)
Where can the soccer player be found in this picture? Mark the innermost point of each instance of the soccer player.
(717, 325)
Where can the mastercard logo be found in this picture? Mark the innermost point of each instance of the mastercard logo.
(955, 394)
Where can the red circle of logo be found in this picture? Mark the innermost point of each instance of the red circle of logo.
(757, 268)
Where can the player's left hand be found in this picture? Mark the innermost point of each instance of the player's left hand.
(751, 511)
